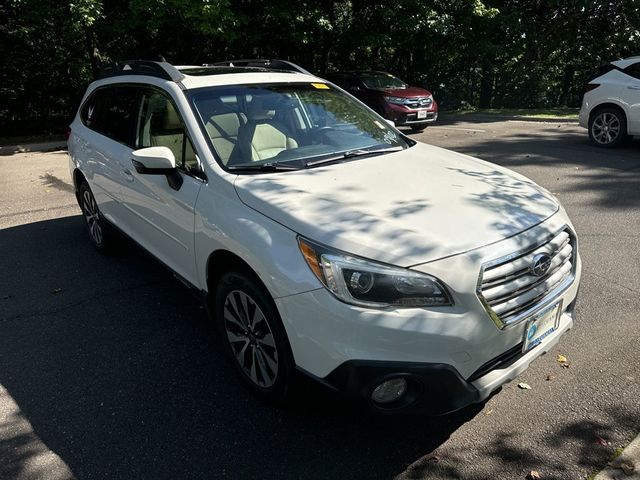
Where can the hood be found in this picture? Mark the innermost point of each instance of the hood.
(402, 208)
(408, 92)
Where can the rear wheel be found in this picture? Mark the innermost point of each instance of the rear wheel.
(608, 127)
(254, 336)
(99, 231)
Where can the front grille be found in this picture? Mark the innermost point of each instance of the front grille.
(510, 290)
(419, 102)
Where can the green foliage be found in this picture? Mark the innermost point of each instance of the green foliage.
(470, 53)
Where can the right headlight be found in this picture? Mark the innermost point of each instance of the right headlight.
(370, 284)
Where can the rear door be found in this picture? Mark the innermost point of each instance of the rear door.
(162, 218)
(109, 118)
(631, 96)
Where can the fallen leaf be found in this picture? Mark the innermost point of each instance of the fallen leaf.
(550, 377)
(489, 412)
(562, 358)
(56, 290)
(534, 475)
(565, 365)
(524, 386)
(627, 467)
(433, 458)
(602, 441)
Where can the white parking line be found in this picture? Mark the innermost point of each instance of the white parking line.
(461, 129)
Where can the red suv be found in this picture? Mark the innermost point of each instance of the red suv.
(389, 96)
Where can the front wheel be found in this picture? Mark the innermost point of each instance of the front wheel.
(418, 128)
(608, 128)
(254, 336)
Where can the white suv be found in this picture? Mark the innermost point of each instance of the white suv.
(322, 239)
(611, 103)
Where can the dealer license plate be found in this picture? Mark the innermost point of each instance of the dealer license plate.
(422, 114)
(541, 325)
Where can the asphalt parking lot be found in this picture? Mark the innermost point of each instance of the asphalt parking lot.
(109, 370)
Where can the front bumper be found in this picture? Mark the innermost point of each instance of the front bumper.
(437, 388)
(453, 355)
(404, 116)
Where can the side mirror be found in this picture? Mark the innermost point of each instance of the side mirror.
(390, 122)
(157, 161)
(153, 160)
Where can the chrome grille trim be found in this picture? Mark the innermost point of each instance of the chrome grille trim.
(510, 293)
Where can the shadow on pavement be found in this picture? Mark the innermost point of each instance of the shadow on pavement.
(113, 364)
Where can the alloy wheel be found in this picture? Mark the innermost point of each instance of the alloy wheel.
(92, 216)
(251, 338)
(606, 128)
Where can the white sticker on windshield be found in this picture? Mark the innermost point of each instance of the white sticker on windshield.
(390, 137)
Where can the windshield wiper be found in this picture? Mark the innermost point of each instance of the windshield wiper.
(351, 154)
(261, 167)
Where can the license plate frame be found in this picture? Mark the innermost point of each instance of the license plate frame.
(422, 114)
(541, 325)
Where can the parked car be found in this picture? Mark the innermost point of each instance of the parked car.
(611, 103)
(390, 97)
(321, 238)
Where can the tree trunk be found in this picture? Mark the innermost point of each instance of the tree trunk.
(486, 84)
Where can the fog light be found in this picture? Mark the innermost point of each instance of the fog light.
(389, 390)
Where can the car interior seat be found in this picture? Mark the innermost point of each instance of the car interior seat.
(261, 137)
(222, 126)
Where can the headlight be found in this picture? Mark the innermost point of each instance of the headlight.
(396, 100)
(369, 284)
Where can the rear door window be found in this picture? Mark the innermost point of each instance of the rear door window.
(113, 112)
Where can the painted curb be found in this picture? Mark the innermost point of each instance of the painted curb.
(33, 147)
(629, 459)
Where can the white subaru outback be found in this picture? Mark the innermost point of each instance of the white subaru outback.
(321, 238)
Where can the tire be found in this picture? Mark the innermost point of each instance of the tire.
(254, 337)
(417, 128)
(99, 230)
(608, 127)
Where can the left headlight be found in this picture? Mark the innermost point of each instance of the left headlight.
(396, 100)
(370, 284)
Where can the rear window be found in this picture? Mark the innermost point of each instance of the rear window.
(633, 70)
(602, 70)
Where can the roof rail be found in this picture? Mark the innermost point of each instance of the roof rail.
(162, 70)
(275, 64)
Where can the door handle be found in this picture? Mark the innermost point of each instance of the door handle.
(126, 173)
(633, 87)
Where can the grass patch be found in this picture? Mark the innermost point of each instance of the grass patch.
(27, 139)
(541, 113)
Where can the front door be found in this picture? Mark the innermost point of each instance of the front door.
(161, 217)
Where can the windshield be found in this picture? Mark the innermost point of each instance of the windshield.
(291, 126)
(380, 80)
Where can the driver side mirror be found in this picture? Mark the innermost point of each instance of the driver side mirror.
(157, 161)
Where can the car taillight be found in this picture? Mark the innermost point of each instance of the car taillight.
(591, 86)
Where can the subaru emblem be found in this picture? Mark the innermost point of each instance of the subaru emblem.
(541, 264)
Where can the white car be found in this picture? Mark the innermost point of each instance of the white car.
(611, 103)
(322, 239)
